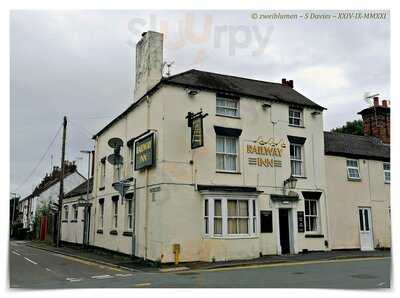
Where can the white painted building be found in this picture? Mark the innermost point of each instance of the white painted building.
(48, 191)
(227, 199)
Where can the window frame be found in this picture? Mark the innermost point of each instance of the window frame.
(348, 168)
(225, 153)
(291, 117)
(114, 221)
(129, 214)
(75, 211)
(102, 173)
(252, 218)
(297, 160)
(317, 216)
(101, 214)
(225, 107)
(386, 171)
(66, 212)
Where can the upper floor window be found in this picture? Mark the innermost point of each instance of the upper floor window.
(102, 172)
(227, 153)
(353, 171)
(295, 117)
(227, 106)
(386, 172)
(296, 159)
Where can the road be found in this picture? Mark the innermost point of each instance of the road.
(35, 268)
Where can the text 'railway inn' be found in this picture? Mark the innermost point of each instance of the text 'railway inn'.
(224, 168)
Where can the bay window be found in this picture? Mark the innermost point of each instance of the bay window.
(230, 217)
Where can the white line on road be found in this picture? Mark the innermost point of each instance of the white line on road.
(73, 279)
(123, 275)
(48, 269)
(15, 253)
(102, 276)
(33, 262)
(381, 284)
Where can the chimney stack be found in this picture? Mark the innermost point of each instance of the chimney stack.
(376, 101)
(376, 120)
(288, 83)
(149, 62)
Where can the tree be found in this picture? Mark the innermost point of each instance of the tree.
(352, 127)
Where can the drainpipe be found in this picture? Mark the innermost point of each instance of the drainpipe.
(147, 187)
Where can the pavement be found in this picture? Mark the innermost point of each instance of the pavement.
(38, 268)
(127, 263)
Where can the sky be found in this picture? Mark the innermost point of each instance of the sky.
(81, 64)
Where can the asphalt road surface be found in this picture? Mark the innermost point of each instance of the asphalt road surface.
(35, 268)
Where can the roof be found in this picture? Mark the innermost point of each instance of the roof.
(354, 146)
(229, 84)
(375, 109)
(80, 189)
(241, 86)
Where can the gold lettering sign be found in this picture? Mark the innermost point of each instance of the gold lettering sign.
(268, 151)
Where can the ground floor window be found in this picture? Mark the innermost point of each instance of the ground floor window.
(230, 217)
(311, 215)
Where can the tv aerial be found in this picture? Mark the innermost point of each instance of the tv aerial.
(367, 97)
(168, 65)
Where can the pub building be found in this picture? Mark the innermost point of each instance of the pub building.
(213, 167)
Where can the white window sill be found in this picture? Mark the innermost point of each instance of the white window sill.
(231, 237)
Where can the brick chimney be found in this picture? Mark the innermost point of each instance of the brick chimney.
(149, 62)
(288, 83)
(376, 120)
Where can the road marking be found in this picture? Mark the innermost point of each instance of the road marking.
(123, 275)
(15, 253)
(86, 262)
(103, 276)
(288, 264)
(48, 269)
(381, 284)
(73, 279)
(146, 284)
(33, 262)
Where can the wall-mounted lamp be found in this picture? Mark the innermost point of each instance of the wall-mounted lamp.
(289, 182)
(192, 92)
(266, 106)
(315, 113)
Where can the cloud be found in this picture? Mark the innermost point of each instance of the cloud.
(81, 64)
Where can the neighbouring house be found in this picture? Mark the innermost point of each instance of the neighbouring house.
(72, 218)
(48, 191)
(225, 191)
(358, 183)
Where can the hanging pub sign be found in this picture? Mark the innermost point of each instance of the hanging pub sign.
(300, 221)
(195, 122)
(144, 152)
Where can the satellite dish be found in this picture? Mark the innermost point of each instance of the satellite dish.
(115, 159)
(115, 143)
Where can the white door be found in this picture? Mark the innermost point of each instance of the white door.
(366, 239)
